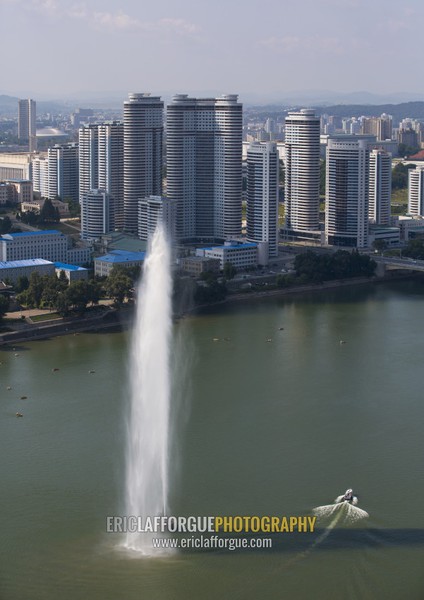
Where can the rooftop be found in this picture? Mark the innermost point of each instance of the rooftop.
(120, 241)
(12, 236)
(121, 256)
(233, 246)
(66, 267)
(29, 262)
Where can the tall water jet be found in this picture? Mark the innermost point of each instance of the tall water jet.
(149, 410)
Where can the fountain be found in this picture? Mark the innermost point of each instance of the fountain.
(149, 410)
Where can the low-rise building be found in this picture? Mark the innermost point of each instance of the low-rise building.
(390, 235)
(50, 245)
(13, 269)
(408, 226)
(196, 265)
(15, 191)
(103, 265)
(37, 205)
(242, 256)
(72, 272)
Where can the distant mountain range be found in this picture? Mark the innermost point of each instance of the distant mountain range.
(9, 106)
(400, 105)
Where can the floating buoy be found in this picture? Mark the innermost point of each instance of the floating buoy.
(215, 340)
(8, 387)
(24, 397)
(19, 415)
(269, 340)
(55, 369)
(91, 371)
(342, 342)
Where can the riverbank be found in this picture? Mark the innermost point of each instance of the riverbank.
(108, 319)
(299, 290)
(122, 317)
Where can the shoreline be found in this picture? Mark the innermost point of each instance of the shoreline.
(120, 318)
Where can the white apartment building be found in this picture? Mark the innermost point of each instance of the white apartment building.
(88, 159)
(63, 172)
(111, 165)
(262, 195)
(143, 139)
(27, 115)
(154, 210)
(97, 214)
(204, 166)
(50, 245)
(241, 256)
(416, 191)
(302, 164)
(380, 190)
(346, 201)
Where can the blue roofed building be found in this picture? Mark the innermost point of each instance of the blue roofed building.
(13, 269)
(72, 272)
(103, 265)
(241, 255)
(50, 245)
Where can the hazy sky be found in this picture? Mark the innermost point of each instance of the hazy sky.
(57, 47)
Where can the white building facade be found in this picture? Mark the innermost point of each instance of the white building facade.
(416, 191)
(111, 166)
(143, 140)
(380, 190)
(302, 175)
(204, 166)
(346, 200)
(97, 214)
(154, 210)
(50, 245)
(63, 172)
(262, 195)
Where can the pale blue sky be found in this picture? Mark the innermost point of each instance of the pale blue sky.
(57, 47)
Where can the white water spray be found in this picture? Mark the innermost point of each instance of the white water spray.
(149, 410)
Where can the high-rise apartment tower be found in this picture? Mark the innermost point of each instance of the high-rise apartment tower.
(143, 139)
(302, 155)
(204, 166)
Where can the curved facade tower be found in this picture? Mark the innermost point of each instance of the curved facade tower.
(143, 139)
(97, 215)
(302, 171)
(204, 153)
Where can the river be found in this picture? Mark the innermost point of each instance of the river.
(270, 421)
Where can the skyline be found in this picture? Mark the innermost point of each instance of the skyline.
(263, 50)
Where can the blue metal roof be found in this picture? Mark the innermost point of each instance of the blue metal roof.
(66, 267)
(121, 256)
(30, 262)
(28, 233)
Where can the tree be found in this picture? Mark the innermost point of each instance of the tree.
(400, 176)
(49, 213)
(78, 295)
(21, 284)
(5, 225)
(62, 304)
(379, 245)
(118, 285)
(229, 270)
(415, 249)
(35, 289)
(4, 305)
